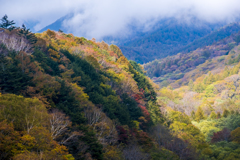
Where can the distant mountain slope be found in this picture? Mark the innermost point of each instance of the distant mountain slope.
(212, 37)
(174, 38)
(180, 68)
(56, 25)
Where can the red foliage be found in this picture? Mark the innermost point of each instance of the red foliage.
(126, 136)
(145, 111)
(122, 135)
(144, 139)
(222, 135)
(137, 98)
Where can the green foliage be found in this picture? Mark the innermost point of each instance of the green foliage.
(27, 34)
(225, 113)
(235, 135)
(178, 116)
(92, 99)
(213, 115)
(163, 154)
(6, 23)
(134, 111)
(190, 85)
(143, 83)
(23, 112)
(225, 150)
(116, 50)
(199, 114)
(136, 66)
(13, 79)
(210, 91)
(49, 66)
(155, 113)
(199, 87)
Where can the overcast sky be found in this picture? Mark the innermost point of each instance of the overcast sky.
(98, 18)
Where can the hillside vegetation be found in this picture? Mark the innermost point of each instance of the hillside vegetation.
(175, 37)
(201, 89)
(179, 69)
(66, 97)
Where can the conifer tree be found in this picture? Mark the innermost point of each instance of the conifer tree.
(199, 114)
(213, 115)
(6, 24)
(199, 87)
(237, 112)
(26, 33)
(190, 85)
(225, 113)
(219, 115)
(193, 115)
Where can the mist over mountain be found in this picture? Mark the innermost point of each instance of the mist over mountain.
(160, 39)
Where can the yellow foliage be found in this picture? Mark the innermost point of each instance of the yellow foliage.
(80, 95)
(54, 55)
(50, 33)
(112, 153)
(165, 92)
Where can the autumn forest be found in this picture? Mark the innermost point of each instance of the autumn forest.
(67, 97)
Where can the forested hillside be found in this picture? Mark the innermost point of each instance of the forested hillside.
(173, 37)
(65, 97)
(210, 103)
(179, 69)
(201, 89)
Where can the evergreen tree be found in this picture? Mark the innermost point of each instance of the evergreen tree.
(199, 87)
(225, 113)
(26, 33)
(213, 115)
(219, 115)
(12, 78)
(199, 114)
(193, 115)
(6, 24)
(190, 85)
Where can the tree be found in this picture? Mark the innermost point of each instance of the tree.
(25, 113)
(133, 152)
(26, 33)
(193, 115)
(235, 135)
(225, 113)
(219, 115)
(199, 87)
(155, 112)
(199, 114)
(58, 123)
(6, 24)
(190, 85)
(213, 115)
(9, 139)
(222, 135)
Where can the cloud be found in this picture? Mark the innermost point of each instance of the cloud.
(98, 18)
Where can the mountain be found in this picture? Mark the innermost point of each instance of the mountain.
(203, 85)
(56, 25)
(168, 36)
(180, 67)
(173, 38)
(66, 97)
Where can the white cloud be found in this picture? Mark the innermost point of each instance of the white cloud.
(98, 18)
